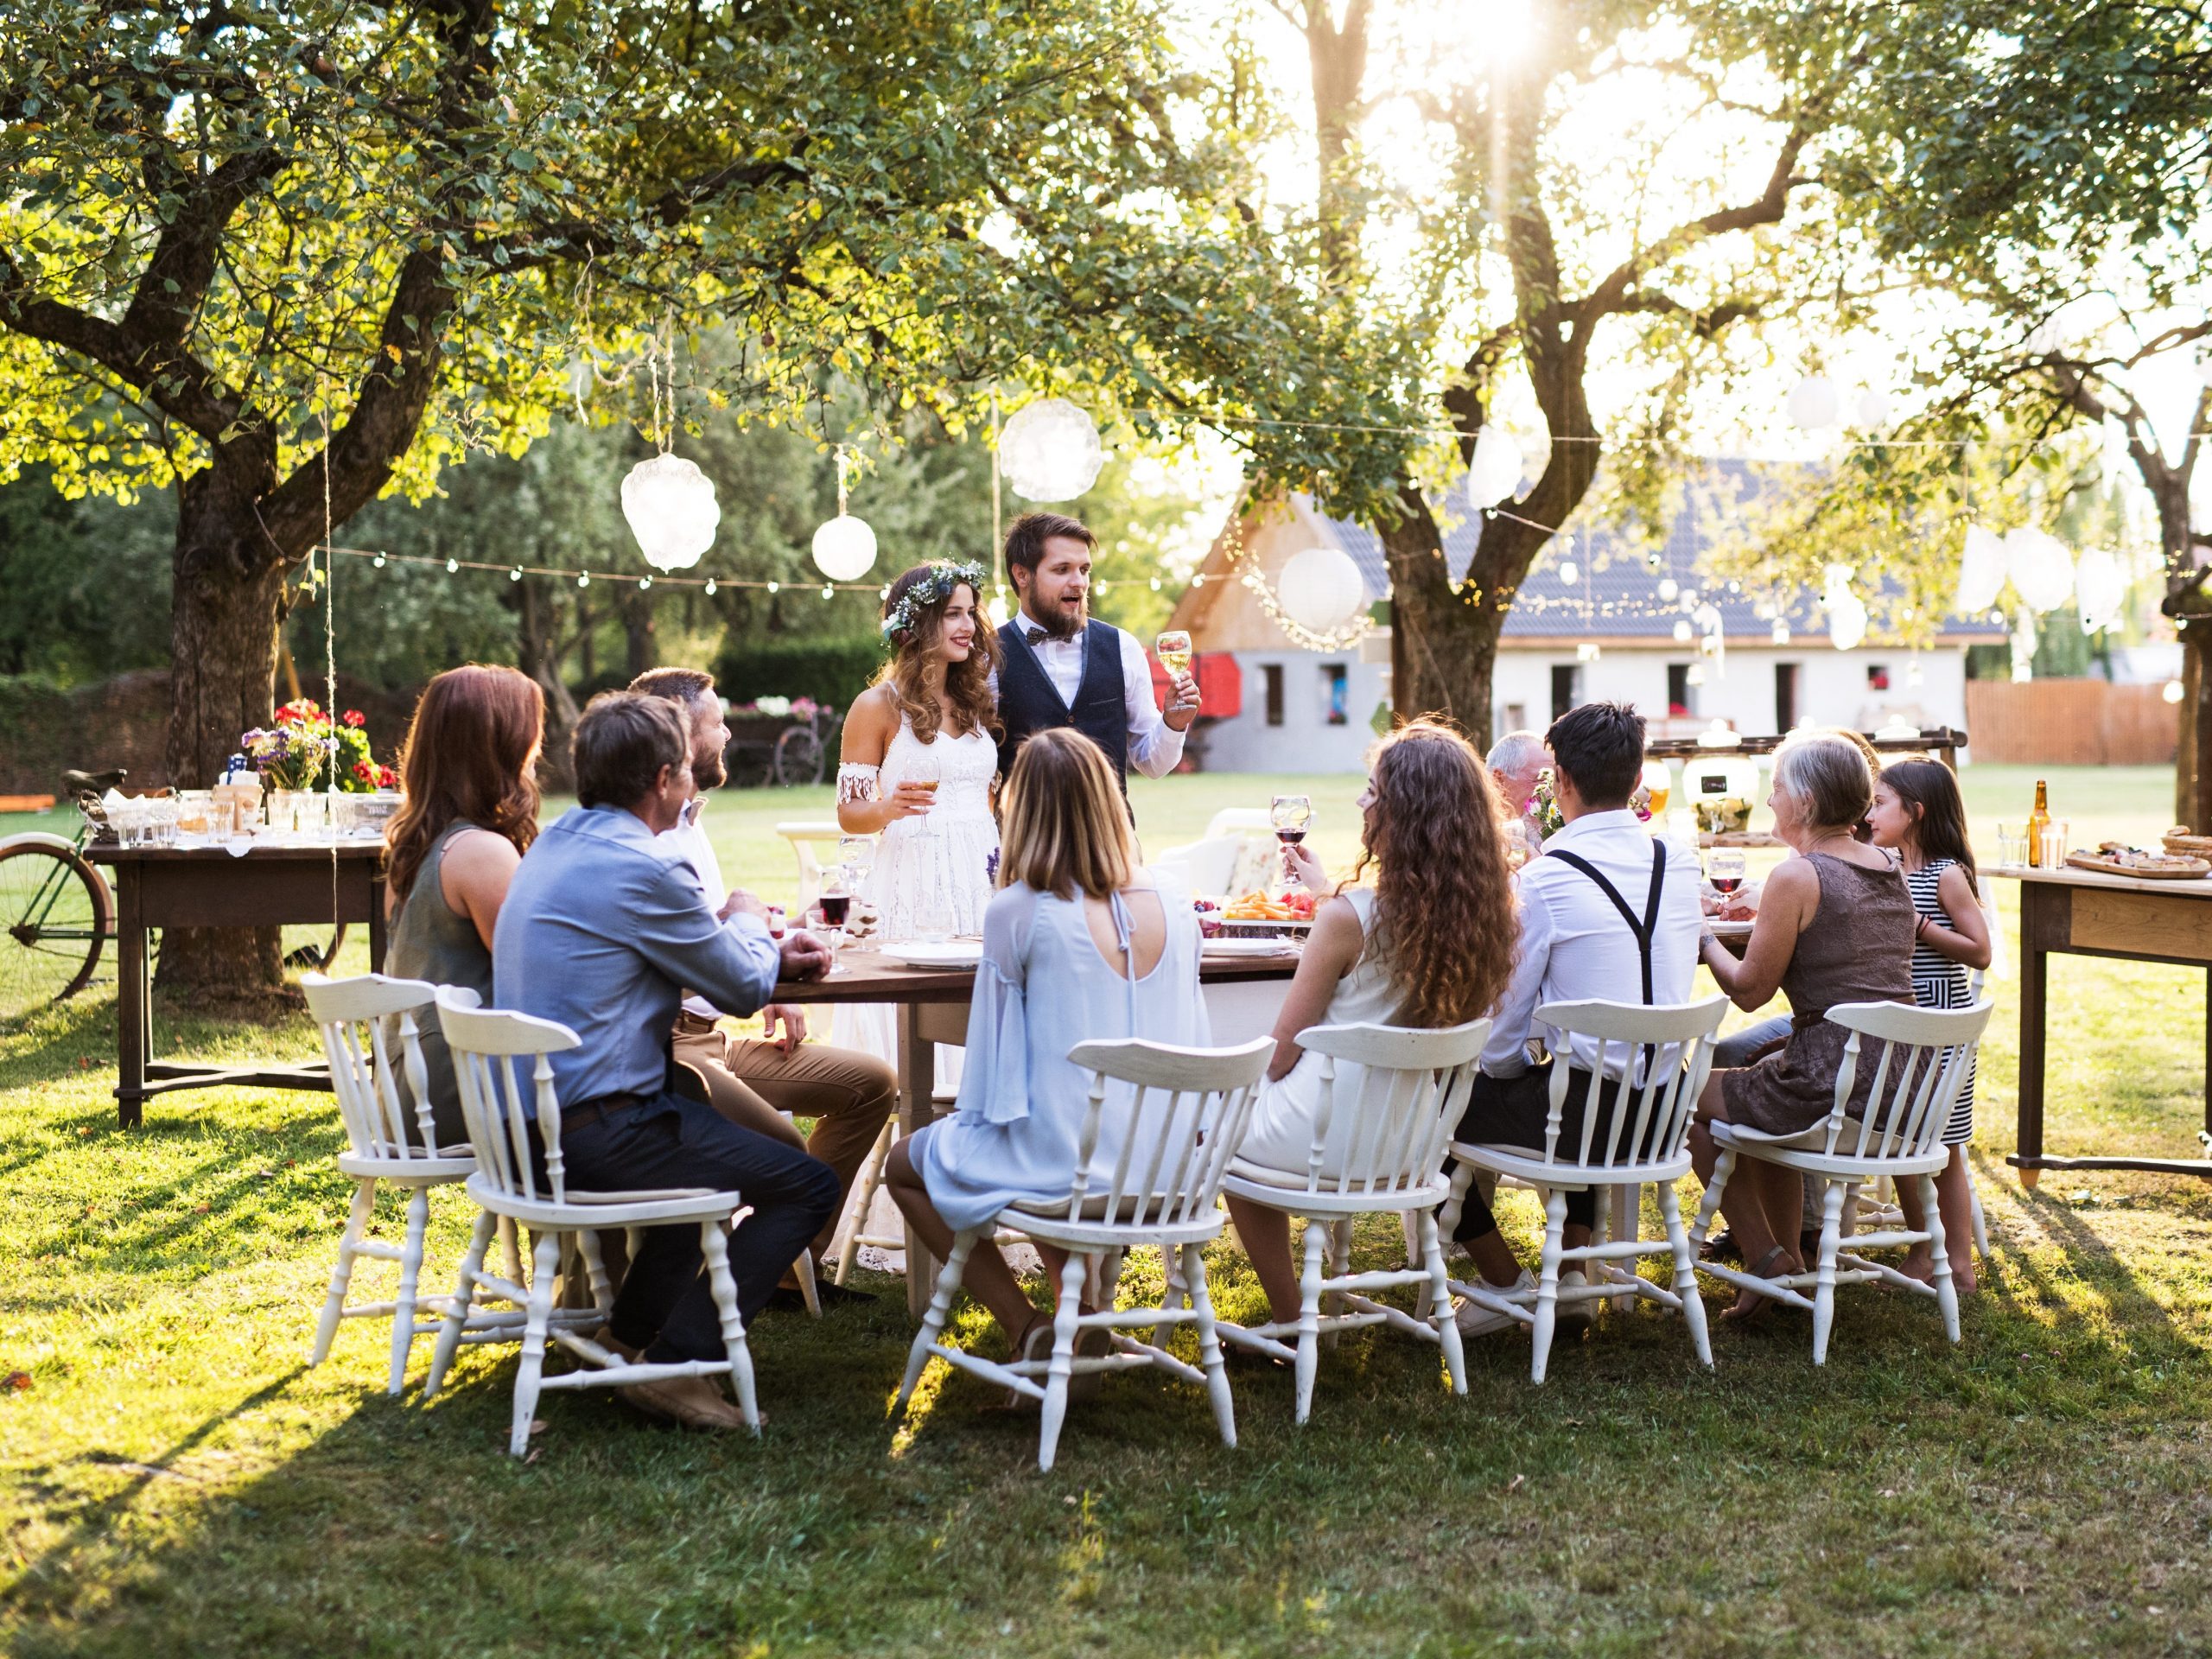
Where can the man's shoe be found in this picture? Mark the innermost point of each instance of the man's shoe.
(1578, 1316)
(787, 1298)
(691, 1402)
(1476, 1321)
(606, 1338)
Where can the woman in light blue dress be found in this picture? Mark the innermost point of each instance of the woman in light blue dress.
(1079, 944)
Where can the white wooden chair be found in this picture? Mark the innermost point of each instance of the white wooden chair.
(381, 1146)
(1179, 1131)
(486, 1047)
(1379, 1151)
(1646, 1143)
(1925, 1057)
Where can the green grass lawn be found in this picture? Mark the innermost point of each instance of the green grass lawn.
(173, 1480)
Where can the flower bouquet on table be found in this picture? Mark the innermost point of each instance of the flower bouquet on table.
(297, 755)
(1722, 815)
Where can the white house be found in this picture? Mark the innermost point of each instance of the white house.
(1617, 631)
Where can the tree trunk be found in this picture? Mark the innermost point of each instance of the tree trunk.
(537, 654)
(2186, 604)
(640, 643)
(1443, 647)
(227, 601)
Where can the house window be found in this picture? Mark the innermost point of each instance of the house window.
(1567, 688)
(1681, 696)
(1517, 718)
(1274, 672)
(1785, 697)
(1878, 677)
(1336, 694)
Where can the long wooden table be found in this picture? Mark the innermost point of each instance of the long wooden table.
(933, 1006)
(207, 886)
(2089, 913)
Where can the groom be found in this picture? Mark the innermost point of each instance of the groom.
(1060, 667)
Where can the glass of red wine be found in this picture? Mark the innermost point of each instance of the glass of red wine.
(836, 902)
(1724, 868)
(1292, 816)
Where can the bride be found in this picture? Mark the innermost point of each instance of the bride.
(919, 752)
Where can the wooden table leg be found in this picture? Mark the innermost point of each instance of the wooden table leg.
(2207, 1055)
(917, 1086)
(133, 994)
(2034, 961)
(376, 924)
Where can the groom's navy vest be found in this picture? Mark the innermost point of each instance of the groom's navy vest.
(1028, 701)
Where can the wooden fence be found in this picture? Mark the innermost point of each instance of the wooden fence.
(2086, 722)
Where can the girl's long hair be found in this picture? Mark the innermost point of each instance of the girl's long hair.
(471, 754)
(967, 685)
(1939, 827)
(1063, 825)
(1444, 923)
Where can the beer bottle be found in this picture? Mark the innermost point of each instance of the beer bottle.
(2038, 821)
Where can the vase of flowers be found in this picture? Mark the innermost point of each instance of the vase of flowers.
(297, 754)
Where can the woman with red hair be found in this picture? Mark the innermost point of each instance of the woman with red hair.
(470, 774)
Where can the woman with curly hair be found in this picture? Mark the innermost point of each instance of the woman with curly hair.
(1429, 944)
(920, 749)
(469, 776)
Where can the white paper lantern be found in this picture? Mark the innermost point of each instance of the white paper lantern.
(1494, 473)
(1321, 590)
(844, 548)
(1050, 450)
(1815, 402)
(1669, 590)
(1846, 612)
(1681, 631)
(670, 505)
(2041, 568)
(1779, 632)
(1873, 409)
(1981, 570)
(2100, 588)
(1569, 573)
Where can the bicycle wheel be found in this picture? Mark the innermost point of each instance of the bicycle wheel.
(798, 759)
(58, 914)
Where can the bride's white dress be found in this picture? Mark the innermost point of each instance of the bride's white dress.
(937, 862)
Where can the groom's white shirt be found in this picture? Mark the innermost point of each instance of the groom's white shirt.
(1155, 746)
(688, 837)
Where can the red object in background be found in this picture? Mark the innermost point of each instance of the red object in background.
(1221, 685)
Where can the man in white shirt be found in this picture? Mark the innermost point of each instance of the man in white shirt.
(1061, 667)
(1516, 762)
(761, 1085)
(1610, 912)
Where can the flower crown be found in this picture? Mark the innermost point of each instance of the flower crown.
(945, 575)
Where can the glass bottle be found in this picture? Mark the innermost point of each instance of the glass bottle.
(2038, 821)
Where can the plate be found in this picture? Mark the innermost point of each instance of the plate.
(1729, 930)
(1229, 945)
(955, 954)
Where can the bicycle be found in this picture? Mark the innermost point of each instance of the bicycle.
(58, 913)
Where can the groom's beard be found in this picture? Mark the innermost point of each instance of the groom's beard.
(1065, 620)
(708, 772)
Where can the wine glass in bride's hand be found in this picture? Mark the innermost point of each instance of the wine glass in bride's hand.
(1292, 816)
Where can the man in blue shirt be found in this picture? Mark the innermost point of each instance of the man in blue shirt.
(602, 929)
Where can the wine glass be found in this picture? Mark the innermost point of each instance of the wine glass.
(836, 903)
(1292, 816)
(1513, 834)
(1174, 649)
(1724, 868)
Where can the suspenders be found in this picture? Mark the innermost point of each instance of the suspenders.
(1642, 930)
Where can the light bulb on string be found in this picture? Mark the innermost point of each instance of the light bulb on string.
(2173, 691)
(377, 561)
(644, 582)
(1779, 632)
(1682, 631)
(583, 579)
(1155, 584)
(1670, 590)
(827, 592)
(1568, 572)
(775, 587)
(453, 566)
(515, 574)
(710, 586)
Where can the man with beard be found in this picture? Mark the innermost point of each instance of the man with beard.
(1062, 668)
(762, 1085)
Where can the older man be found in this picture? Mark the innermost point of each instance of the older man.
(1516, 761)
(604, 926)
(755, 1084)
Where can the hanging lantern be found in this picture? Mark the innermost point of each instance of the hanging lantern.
(1872, 410)
(2041, 569)
(1569, 573)
(2100, 588)
(844, 548)
(1321, 590)
(1669, 590)
(1494, 473)
(1981, 569)
(1586, 651)
(670, 505)
(1682, 630)
(1846, 612)
(1815, 402)
(1050, 450)
(1779, 632)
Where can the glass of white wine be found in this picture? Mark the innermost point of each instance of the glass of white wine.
(1174, 649)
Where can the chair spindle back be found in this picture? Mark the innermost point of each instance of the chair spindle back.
(1413, 1088)
(1188, 1116)
(1671, 1044)
(350, 1013)
(1919, 1065)
(486, 1046)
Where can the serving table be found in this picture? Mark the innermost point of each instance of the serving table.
(933, 1004)
(2089, 913)
(268, 886)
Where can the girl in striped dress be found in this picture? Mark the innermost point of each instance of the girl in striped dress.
(1918, 811)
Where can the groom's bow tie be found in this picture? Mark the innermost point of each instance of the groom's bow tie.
(1035, 636)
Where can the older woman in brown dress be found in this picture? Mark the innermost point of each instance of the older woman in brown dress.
(1834, 925)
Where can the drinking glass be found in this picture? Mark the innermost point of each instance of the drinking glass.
(1724, 868)
(934, 923)
(1174, 649)
(1659, 785)
(836, 902)
(1292, 816)
(1513, 834)
(2011, 843)
(2052, 852)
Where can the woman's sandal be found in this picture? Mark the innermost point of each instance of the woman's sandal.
(1745, 1315)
